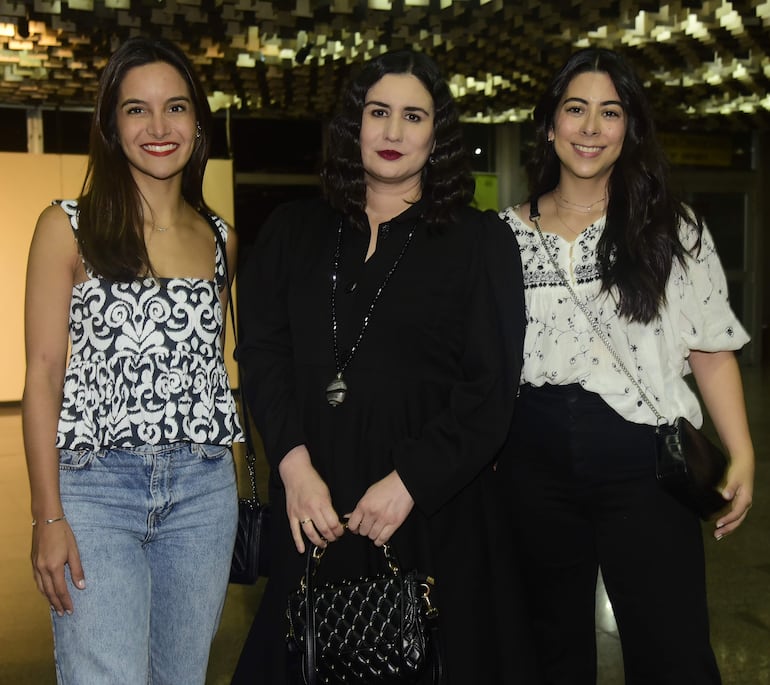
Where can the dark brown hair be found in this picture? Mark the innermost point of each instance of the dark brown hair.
(110, 216)
(447, 181)
(641, 236)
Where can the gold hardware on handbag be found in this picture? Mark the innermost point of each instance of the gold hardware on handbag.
(370, 631)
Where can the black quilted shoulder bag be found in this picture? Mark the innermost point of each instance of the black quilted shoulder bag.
(369, 631)
(250, 554)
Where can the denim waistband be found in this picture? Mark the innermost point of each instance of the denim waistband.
(163, 448)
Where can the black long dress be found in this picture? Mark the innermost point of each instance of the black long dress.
(431, 392)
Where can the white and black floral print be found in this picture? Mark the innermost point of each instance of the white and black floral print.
(560, 346)
(146, 362)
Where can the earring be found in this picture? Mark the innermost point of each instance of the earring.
(431, 159)
(550, 139)
(197, 129)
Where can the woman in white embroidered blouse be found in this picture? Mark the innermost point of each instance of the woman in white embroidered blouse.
(581, 454)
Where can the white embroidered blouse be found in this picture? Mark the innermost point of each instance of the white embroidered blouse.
(560, 347)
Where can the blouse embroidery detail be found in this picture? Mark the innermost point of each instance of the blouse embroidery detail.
(146, 363)
(560, 346)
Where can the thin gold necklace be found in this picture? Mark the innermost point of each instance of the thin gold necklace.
(568, 204)
(163, 229)
(564, 223)
(567, 226)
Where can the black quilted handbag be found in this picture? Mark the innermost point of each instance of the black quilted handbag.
(369, 631)
(250, 558)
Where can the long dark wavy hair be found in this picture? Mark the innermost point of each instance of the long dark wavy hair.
(641, 235)
(110, 222)
(447, 182)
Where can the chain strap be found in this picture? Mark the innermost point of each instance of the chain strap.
(253, 499)
(535, 218)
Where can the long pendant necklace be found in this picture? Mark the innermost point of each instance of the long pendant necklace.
(337, 390)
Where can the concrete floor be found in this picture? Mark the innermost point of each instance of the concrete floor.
(738, 574)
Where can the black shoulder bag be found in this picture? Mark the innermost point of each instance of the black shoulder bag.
(250, 554)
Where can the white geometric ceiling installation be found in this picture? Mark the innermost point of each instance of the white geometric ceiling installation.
(706, 63)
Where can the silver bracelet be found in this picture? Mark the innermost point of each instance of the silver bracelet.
(58, 518)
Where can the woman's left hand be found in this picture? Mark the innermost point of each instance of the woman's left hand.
(382, 509)
(719, 381)
(739, 490)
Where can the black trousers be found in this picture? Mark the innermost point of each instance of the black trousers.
(584, 496)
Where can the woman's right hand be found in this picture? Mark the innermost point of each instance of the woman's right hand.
(308, 501)
(54, 266)
(53, 546)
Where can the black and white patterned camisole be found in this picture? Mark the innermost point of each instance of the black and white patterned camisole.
(146, 364)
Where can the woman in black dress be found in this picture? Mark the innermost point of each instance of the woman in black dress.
(381, 343)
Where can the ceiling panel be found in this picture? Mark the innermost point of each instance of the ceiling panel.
(707, 63)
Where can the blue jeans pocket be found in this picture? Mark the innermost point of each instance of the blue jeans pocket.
(76, 460)
(210, 452)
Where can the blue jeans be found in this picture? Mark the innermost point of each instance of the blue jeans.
(155, 528)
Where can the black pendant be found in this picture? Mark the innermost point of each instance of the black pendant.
(336, 391)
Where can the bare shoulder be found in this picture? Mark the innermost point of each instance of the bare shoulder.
(229, 231)
(232, 235)
(229, 235)
(231, 248)
(53, 215)
(54, 236)
(53, 268)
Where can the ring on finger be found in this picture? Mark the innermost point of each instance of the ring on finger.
(304, 521)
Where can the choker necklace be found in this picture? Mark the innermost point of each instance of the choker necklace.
(568, 204)
(159, 229)
(337, 389)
